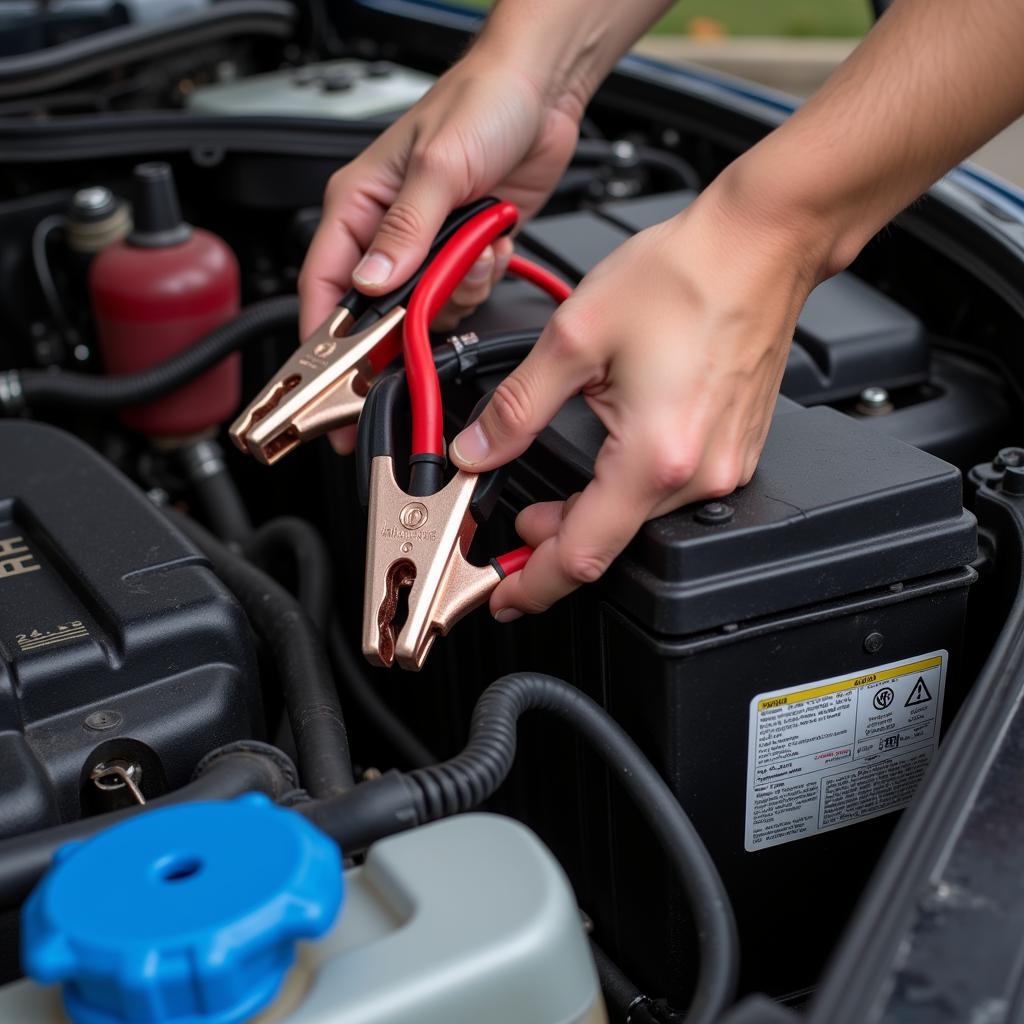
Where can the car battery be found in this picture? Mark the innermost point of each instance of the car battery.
(787, 657)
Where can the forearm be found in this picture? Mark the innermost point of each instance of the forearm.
(930, 83)
(568, 46)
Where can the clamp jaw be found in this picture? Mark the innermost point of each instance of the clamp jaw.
(322, 386)
(419, 545)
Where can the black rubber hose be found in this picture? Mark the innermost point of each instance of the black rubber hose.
(312, 562)
(25, 74)
(397, 801)
(243, 768)
(90, 393)
(623, 999)
(41, 261)
(359, 689)
(310, 697)
(671, 164)
(313, 577)
(216, 491)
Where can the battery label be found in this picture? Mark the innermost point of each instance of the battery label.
(831, 753)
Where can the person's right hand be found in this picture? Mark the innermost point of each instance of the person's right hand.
(481, 129)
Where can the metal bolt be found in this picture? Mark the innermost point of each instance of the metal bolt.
(1013, 480)
(92, 199)
(619, 189)
(1008, 457)
(102, 720)
(714, 513)
(874, 401)
(624, 151)
(873, 642)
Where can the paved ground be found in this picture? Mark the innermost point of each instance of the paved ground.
(798, 66)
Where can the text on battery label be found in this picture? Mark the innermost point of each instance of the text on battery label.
(833, 752)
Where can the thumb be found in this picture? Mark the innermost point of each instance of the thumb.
(522, 405)
(404, 235)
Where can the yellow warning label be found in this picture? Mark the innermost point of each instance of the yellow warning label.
(848, 684)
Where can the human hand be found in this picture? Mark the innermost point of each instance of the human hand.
(678, 341)
(482, 128)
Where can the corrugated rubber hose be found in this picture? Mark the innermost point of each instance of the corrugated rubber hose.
(397, 801)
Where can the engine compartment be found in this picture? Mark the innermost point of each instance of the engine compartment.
(729, 641)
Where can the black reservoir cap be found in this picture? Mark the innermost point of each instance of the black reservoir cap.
(155, 208)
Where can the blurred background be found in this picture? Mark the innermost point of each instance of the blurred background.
(790, 45)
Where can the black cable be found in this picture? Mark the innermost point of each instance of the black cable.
(306, 548)
(241, 768)
(41, 262)
(623, 153)
(624, 999)
(314, 711)
(465, 360)
(215, 490)
(27, 73)
(83, 392)
(398, 801)
(135, 135)
(352, 674)
(313, 580)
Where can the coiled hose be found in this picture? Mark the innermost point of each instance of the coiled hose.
(84, 392)
(396, 801)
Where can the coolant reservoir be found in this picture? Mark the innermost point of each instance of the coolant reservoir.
(158, 291)
(467, 919)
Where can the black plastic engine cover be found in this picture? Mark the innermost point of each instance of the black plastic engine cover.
(116, 639)
(849, 335)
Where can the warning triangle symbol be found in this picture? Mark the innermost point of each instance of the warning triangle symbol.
(919, 694)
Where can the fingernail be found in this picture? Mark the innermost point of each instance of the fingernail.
(507, 615)
(374, 268)
(481, 270)
(471, 446)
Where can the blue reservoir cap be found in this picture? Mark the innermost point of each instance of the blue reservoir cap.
(186, 914)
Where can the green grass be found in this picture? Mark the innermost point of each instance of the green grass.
(764, 17)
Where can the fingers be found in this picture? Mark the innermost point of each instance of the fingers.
(476, 286)
(538, 522)
(527, 399)
(406, 231)
(343, 440)
(326, 272)
(595, 529)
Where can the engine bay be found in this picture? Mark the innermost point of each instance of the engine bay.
(789, 658)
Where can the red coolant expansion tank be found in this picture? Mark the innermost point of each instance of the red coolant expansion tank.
(159, 291)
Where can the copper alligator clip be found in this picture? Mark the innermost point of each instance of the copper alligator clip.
(419, 545)
(322, 386)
